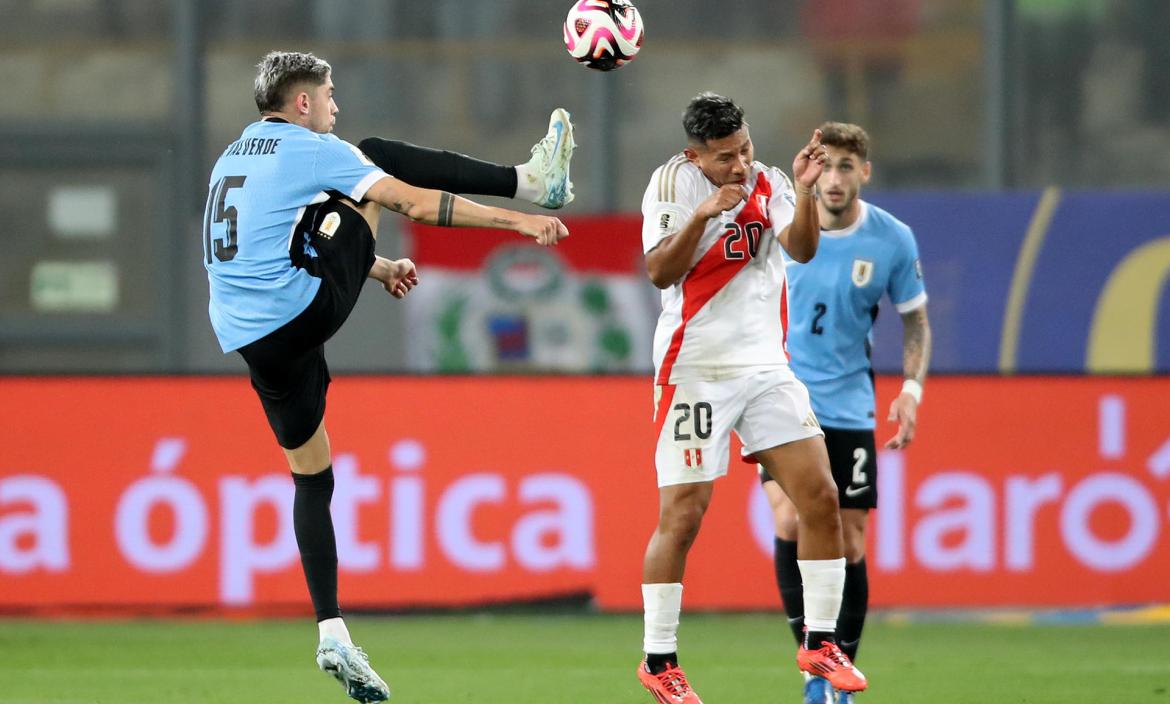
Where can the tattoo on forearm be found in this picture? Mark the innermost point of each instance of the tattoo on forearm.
(915, 344)
(446, 209)
(507, 222)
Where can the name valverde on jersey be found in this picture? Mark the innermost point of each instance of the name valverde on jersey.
(727, 316)
(834, 302)
(260, 189)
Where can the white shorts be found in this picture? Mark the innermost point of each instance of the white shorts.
(695, 420)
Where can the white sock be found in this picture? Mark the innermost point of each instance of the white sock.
(824, 582)
(528, 184)
(334, 628)
(662, 603)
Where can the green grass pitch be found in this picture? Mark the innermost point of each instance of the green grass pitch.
(530, 658)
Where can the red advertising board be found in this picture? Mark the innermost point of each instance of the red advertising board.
(168, 493)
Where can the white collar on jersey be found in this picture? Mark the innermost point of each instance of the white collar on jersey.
(846, 231)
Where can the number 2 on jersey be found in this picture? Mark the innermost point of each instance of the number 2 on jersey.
(224, 249)
(821, 309)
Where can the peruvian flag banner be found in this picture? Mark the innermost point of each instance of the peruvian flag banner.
(492, 301)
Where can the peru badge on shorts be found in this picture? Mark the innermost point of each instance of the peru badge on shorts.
(693, 456)
(862, 272)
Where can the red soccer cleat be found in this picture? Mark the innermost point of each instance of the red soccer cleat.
(829, 662)
(669, 686)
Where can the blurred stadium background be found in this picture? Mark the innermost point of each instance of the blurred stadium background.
(492, 434)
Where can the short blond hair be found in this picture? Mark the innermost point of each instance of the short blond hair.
(279, 71)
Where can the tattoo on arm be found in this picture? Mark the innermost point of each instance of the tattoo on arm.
(915, 344)
(506, 222)
(446, 209)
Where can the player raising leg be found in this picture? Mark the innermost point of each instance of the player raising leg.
(543, 179)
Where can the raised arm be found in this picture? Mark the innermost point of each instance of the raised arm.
(915, 361)
(802, 236)
(447, 210)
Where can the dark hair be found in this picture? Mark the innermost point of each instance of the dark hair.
(710, 116)
(843, 135)
(280, 71)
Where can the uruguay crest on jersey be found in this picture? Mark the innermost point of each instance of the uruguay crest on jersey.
(862, 272)
(834, 301)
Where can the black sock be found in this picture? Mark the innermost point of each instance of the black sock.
(313, 526)
(441, 170)
(657, 662)
(854, 606)
(813, 640)
(791, 588)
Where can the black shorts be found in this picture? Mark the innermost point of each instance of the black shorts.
(288, 366)
(853, 460)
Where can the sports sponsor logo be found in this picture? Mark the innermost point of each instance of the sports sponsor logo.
(452, 507)
(666, 223)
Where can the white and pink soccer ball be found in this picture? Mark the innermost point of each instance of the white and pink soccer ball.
(603, 34)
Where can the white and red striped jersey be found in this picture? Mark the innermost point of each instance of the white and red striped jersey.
(728, 315)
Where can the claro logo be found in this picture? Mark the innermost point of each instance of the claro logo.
(548, 523)
(966, 521)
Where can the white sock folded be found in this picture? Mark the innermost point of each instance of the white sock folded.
(662, 604)
(824, 583)
(334, 628)
(528, 184)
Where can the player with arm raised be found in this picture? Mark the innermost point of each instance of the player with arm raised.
(715, 225)
(288, 238)
(864, 253)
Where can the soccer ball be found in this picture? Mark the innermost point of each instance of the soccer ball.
(603, 34)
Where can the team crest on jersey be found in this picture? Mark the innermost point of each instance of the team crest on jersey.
(666, 223)
(918, 268)
(329, 225)
(862, 272)
(693, 457)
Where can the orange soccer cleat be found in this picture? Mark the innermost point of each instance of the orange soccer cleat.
(829, 662)
(669, 686)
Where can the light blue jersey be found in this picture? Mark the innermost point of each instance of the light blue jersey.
(833, 303)
(259, 191)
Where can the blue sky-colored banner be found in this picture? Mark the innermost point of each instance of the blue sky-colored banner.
(1052, 281)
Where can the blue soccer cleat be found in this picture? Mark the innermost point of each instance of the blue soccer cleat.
(351, 666)
(817, 690)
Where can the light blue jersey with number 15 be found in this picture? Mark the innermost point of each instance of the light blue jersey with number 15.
(833, 304)
(259, 191)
